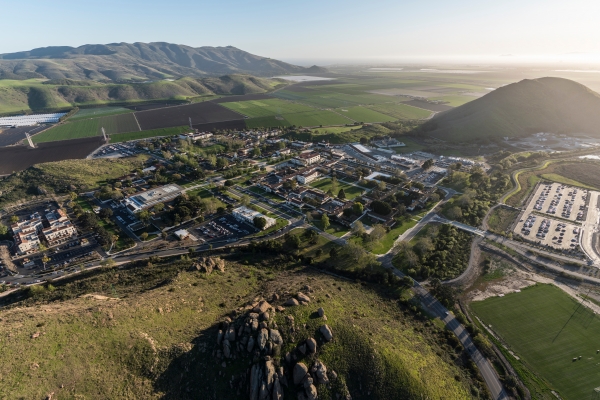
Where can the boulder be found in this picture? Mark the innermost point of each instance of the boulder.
(264, 391)
(254, 325)
(291, 302)
(311, 344)
(263, 335)
(300, 371)
(262, 307)
(302, 297)
(311, 392)
(319, 371)
(255, 374)
(265, 316)
(219, 338)
(208, 264)
(253, 315)
(270, 374)
(280, 309)
(263, 325)
(230, 335)
(333, 375)
(275, 297)
(226, 348)
(276, 336)
(326, 332)
(321, 312)
(277, 391)
(250, 344)
(302, 348)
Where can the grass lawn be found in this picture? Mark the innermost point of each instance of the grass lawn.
(333, 229)
(281, 223)
(411, 146)
(202, 192)
(310, 250)
(566, 181)
(546, 328)
(267, 195)
(387, 242)
(350, 190)
(502, 218)
(124, 137)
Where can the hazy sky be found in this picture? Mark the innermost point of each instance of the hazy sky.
(461, 30)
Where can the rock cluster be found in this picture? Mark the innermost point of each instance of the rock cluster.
(208, 264)
(300, 299)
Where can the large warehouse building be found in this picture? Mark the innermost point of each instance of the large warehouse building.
(245, 214)
(149, 199)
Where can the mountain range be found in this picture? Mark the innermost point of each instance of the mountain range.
(553, 105)
(126, 62)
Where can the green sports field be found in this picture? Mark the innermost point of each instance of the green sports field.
(547, 329)
(350, 190)
(89, 127)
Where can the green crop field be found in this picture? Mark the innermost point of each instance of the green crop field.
(89, 127)
(547, 329)
(316, 118)
(363, 114)
(99, 112)
(265, 122)
(402, 111)
(265, 108)
(454, 100)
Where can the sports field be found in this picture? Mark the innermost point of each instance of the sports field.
(547, 329)
(350, 190)
(89, 127)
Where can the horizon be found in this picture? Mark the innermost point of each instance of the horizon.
(511, 33)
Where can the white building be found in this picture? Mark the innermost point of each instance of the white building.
(247, 215)
(149, 199)
(308, 176)
(61, 229)
(25, 234)
(196, 136)
(307, 158)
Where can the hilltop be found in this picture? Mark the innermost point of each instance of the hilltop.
(520, 109)
(152, 330)
(118, 62)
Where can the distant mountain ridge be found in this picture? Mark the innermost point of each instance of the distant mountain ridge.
(119, 62)
(553, 105)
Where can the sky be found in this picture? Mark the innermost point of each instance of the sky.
(325, 32)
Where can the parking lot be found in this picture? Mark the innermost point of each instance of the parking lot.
(222, 228)
(558, 200)
(117, 150)
(548, 232)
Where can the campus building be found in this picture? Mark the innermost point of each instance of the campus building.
(152, 197)
(25, 234)
(60, 230)
(306, 159)
(245, 214)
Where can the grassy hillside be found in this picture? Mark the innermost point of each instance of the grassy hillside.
(520, 109)
(37, 96)
(149, 331)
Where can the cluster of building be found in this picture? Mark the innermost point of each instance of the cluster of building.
(55, 229)
(150, 198)
(245, 214)
(30, 120)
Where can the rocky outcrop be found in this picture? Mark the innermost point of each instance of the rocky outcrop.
(302, 297)
(291, 302)
(311, 345)
(300, 371)
(319, 371)
(208, 264)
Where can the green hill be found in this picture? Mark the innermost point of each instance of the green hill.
(150, 330)
(37, 95)
(138, 61)
(520, 109)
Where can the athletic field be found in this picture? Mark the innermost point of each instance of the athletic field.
(547, 329)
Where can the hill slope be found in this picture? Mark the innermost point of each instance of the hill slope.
(520, 109)
(24, 95)
(137, 61)
(150, 331)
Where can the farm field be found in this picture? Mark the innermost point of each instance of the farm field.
(201, 113)
(350, 190)
(265, 122)
(363, 114)
(547, 329)
(316, 118)
(88, 128)
(99, 112)
(265, 108)
(402, 111)
(454, 100)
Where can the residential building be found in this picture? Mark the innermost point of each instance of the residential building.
(307, 176)
(245, 214)
(307, 158)
(60, 230)
(25, 233)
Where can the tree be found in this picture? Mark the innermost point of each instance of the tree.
(3, 230)
(358, 229)
(45, 260)
(341, 194)
(164, 234)
(256, 152)
(144, 216)
(310, 234)
(325, 221)
(159, 207)
(358, 208)
(222, 163)
(144, 235)
(245, 200)
(107, 263)
(454, 213)
(105, 213)
(377, 232)
(364, 140)
(381, 208)
(292, 241)
(260, 222)
(427, 164)
(14, 219)
(72, 196)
